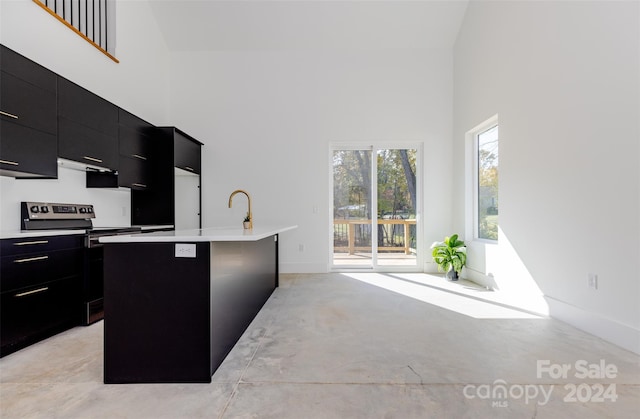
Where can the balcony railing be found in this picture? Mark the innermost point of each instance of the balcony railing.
(93, 20)
(395, 235)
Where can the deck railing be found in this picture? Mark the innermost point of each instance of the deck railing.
(394, 235)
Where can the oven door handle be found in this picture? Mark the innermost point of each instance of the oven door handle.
(93, 241)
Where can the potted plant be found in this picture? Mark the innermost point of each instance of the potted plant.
(450, 255)
(247, 222)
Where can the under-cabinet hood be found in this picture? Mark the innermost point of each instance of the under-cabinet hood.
(76, 165)
(97, 177)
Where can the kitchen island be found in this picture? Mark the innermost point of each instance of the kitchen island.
(176, 302)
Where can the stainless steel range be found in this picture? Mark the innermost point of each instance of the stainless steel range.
(57, 216)
(53, 216)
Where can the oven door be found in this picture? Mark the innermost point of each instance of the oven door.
(93, 289)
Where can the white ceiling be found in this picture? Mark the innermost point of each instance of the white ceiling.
(216, 25)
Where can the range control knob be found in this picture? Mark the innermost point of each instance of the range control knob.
(34, 209)
(44, 209)
(90, 210)
(83, 210)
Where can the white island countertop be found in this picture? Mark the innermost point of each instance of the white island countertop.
(213, 234)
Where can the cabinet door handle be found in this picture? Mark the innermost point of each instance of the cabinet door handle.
(33, 242)
(34, 259)
(10, 115)
(139, 185)
(13, 163)
(24, 294)
(138, 156)
(189, 168)
(92, 159)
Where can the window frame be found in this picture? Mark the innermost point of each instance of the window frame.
(472, 209)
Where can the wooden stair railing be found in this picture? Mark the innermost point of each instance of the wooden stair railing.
(91, 19)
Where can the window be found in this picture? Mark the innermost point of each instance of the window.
(486, 187)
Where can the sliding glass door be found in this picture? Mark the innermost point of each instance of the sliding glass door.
(353, 212)
(375, 208)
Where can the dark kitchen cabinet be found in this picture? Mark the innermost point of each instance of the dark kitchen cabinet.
(186, 150)
(37, 313)
(40, 288)
(137, 153)
(27, 153)
(34, 106)
(134, 174)
(87, 126)
(82, 144)
(86, 108)
(178, 154)
(28, 118)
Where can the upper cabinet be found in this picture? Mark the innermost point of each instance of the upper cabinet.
(45, 116)
(28, 117)
(137, 154)
(87, 126)
(186, 151)
(171, 195)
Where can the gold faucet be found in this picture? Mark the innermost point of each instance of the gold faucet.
(249, 215)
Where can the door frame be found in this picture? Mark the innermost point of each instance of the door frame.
(374, 147)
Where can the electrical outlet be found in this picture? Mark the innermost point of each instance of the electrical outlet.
(301, 247)
(185, 250)
(592, 281)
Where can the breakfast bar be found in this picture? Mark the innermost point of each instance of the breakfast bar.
(176, 302)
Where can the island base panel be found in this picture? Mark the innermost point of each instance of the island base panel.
(171, 319)
(243, 276)
(156, 325)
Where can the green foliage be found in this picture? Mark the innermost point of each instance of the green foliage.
(449, 254)
(352, 183)
(488, 189)
(488, 228)
(395, 180)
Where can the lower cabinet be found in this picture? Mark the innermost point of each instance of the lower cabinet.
(38, 312)
(40, 288)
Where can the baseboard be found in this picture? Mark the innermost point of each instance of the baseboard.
(479, 278)
(302, 268)
(467, 273)
(612, 331)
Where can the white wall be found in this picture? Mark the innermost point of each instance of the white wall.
(564, 79)
(112, 206)
(139, 83)
(267, 119)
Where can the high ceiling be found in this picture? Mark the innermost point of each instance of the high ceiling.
(217, 25)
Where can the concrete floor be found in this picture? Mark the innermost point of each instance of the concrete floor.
(350, 346)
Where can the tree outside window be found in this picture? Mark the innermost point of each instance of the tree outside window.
(487, 193)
